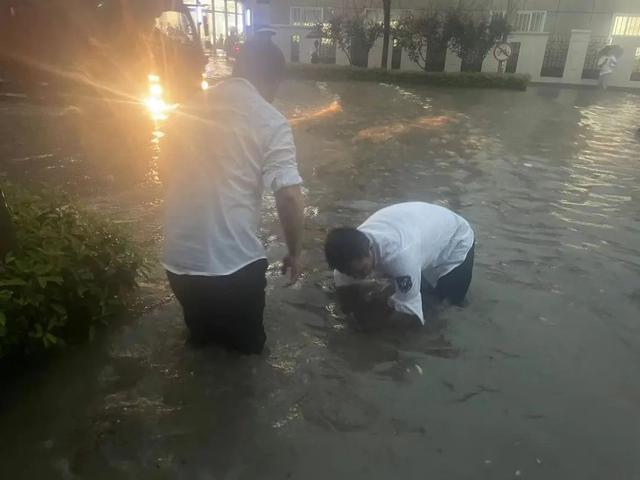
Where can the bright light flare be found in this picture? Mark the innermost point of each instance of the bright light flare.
(155, 90)
(155, 103)
(204, 85)
(158, 108)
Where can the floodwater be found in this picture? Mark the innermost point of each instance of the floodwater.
(537, 377)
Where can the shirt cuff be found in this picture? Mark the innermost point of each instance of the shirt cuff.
(284, 178)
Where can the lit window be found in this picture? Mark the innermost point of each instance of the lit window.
(626, 26)
(306, 16)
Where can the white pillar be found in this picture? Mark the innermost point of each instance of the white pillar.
(531, 56)
(490, 64)
(407, 64)
(375, 54)
(578, 45)
(341, 57)
(452, 62)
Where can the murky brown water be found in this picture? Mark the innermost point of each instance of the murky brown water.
(538, 375)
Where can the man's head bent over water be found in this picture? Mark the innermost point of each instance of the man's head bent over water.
(348, 250)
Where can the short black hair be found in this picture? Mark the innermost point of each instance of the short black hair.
(260, 60)
(343, 245)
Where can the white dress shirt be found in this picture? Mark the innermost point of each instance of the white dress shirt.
(411, 241)
(219, 152)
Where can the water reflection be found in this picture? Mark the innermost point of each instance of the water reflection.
(387, 132)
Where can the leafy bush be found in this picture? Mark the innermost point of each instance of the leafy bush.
(473, 37)
(426, 37)
(443, 79)
(70, 272)
(354, 35)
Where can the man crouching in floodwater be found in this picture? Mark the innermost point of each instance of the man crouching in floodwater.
(412, 244)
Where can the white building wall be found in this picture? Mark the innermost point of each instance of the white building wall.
(576, 56)
(532, 48)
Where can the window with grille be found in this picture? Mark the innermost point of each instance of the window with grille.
(306, 16)
(626, 26)
(529, 21)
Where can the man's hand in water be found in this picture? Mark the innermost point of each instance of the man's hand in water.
(293, 266)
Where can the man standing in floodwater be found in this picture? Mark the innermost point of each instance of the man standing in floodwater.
(223, 147)
(414, 245)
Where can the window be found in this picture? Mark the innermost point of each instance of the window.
(529, 21)
(306, 16)
(626, 26)
(496, 14)
(176, 26)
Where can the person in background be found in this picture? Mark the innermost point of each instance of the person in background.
(606, 65)
(414, 245)
(221, 149)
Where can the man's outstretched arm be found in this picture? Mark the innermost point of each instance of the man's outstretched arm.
(290, 205)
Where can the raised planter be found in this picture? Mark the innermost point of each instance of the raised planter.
(508, 81)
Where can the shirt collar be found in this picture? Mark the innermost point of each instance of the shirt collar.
(374, 249)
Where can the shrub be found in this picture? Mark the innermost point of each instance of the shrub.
(70, 272)
(426, 37)
(355, 36)
(443, 79)
(473, 37)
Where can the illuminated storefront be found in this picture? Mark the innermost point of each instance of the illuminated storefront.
(216, 18)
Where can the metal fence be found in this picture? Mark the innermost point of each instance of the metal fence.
(590, 69)
(555, 57)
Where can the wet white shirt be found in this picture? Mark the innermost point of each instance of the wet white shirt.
(219, 153)
(411, 241)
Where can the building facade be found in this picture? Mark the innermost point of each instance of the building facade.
(553, 40)
(602, 17)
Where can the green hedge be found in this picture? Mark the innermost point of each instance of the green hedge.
(510, 81)
(70, 272)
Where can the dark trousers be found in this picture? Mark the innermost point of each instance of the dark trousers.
(455, 284)
(226, 310)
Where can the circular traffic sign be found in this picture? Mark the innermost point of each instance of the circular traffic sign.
(502, 52)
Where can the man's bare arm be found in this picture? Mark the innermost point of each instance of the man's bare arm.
(290, 205)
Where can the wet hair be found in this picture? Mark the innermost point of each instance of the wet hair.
(260, 61)
(344, 245)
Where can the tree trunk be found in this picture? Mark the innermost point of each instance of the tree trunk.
(386, 5)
